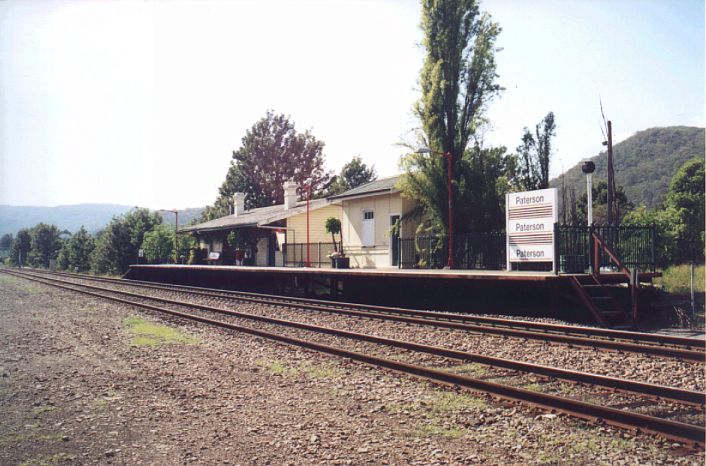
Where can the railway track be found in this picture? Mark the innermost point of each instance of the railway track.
(683, 432)
(606, 339)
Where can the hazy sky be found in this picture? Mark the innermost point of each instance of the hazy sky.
(142, 103)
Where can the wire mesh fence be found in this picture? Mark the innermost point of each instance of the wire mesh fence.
(295, 254)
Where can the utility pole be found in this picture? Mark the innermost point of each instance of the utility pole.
(611, 178)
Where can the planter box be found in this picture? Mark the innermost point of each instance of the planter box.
(573, 264)
(341, 263)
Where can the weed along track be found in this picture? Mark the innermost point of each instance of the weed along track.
(671, 412)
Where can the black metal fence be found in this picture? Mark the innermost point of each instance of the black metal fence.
(471, 251)
(294, 254)
(634, 245)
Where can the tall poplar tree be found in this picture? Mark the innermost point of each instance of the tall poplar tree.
(457, 81)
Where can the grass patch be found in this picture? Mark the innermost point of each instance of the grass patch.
(440, 411)
(472, 369)
(277, 367)
(42, 409)
(33, 437)
(453, 403)
(323, 371)
(677, 279)
(53, 459)
(535, 387)
(150, 334)
(584, 441)
(21, 283)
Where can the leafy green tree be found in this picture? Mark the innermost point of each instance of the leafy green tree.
(353, 174)
(535, 153)
(333, 226)
(487, 173)
(680, 221)
(6, 241)
(666, 222)
(20, 248)
(600, 204)
(271, 152)
(457, 82)
(75, 254)
(45, 244)
(686, 196)
(234, 183)
(158, 244)
(118, 244)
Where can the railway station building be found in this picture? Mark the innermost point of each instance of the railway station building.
(276, 235)
(372, 222)
(371, 218)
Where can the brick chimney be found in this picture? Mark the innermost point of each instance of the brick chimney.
(238, 204)
(290, 194)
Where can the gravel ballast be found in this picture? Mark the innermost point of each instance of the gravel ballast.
(79, 386)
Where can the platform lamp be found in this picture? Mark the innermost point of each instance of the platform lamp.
(588, 168)
(176, 233)
(307, 189)
(447, 155)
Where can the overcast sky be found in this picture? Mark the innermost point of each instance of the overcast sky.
(142, 103)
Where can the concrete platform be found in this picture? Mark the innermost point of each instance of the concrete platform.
(473, 291)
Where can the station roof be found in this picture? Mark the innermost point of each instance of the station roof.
(381, 186)
(260, 216)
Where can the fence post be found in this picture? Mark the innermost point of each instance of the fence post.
(653, 233)
(556, 248)
(429, 253)
(591, 255)
(693, 301)
(634, 286)
(399, 252)
(318, 255)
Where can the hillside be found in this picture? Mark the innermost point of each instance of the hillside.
(70, 217)
(644, 163)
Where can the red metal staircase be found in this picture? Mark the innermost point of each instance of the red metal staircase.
(599, 298)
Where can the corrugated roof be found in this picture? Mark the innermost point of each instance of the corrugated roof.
(256, 217)
(378, 186)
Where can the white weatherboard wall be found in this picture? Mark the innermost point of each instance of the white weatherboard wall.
(363, 252)
(530, 218)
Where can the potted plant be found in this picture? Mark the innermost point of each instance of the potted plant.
(338, 257)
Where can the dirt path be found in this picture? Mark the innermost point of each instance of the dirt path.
(88, 382)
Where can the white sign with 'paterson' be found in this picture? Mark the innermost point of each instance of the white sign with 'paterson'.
(530, 220)
(530, 226)
(535, 252)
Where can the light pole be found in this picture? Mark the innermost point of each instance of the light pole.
(176, 233)
(307, 187)
(588, 168)
(447, 155)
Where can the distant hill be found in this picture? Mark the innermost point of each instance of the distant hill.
(644, 163)
(70, 217)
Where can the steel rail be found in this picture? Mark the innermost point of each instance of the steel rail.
(642, 388)
(513, 323)
(689, 434)
(665, 351)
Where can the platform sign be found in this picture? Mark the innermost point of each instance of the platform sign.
(530, 217)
